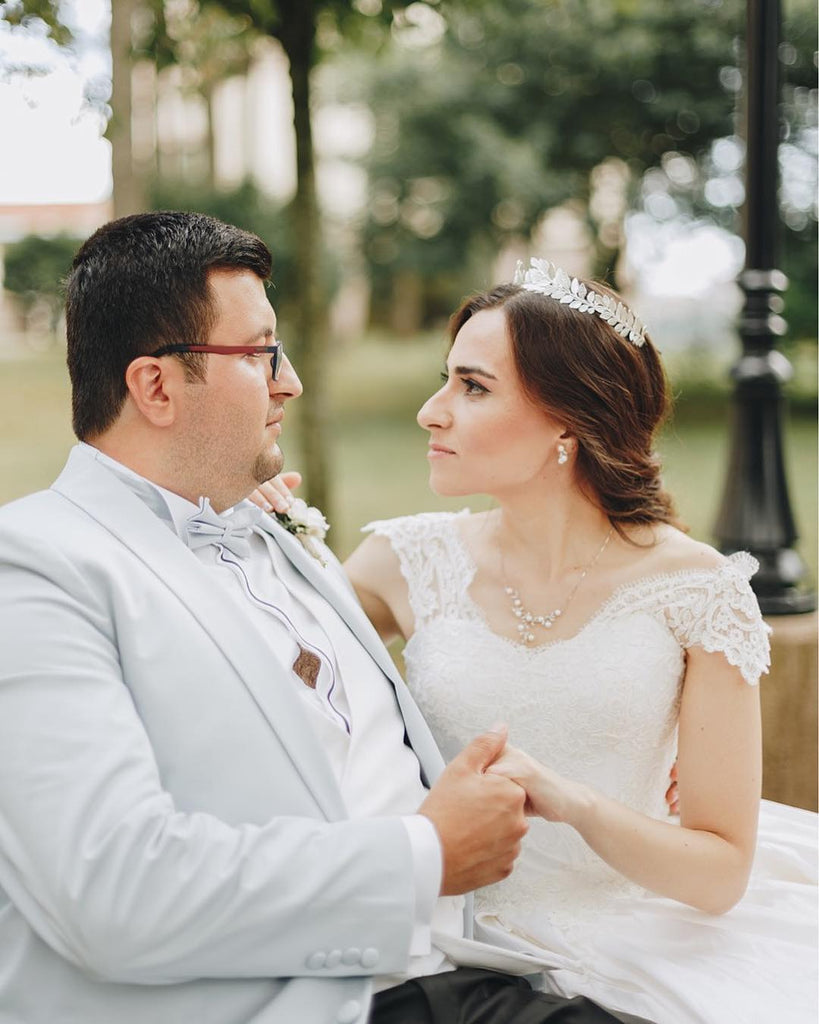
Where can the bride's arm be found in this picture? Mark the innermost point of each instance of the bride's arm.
(704, 862)
(375, 573)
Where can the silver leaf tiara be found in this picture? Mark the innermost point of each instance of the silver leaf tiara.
(544, 277)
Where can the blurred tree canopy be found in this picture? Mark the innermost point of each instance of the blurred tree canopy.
(35, 268)
(510, 109)
(487, 114)
(26, 14)
(207, 44)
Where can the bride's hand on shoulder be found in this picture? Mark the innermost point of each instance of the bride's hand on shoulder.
(276, 495)
(548, 794)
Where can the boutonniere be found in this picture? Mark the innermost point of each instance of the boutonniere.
(307, 524)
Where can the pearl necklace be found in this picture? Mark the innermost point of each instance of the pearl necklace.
(528, 619)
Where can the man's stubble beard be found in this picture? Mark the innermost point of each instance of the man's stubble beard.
(267, 465)
(191, 469)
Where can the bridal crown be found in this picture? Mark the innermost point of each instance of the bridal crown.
(544, 277)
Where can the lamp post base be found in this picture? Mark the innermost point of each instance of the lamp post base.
(780, 584)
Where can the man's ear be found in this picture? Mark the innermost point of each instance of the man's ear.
(155, 388)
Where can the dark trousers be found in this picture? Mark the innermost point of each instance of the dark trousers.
(469, 995)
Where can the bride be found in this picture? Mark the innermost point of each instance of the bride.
(579, 613)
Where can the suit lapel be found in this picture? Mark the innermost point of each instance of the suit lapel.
(101, 495)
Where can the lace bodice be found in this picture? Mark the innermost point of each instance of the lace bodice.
(600, 707)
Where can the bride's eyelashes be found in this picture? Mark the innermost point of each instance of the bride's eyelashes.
(471, 387)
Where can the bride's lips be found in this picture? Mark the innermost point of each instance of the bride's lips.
(437, 451)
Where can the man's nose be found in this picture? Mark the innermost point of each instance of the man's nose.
(288, 384)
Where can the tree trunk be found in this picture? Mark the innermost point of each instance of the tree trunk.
(208, 92)
(129, 196)
(297, 36)
(406, 314)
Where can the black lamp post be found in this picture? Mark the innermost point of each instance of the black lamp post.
(755, 514)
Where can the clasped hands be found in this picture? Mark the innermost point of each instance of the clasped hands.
(479, 807)
(480, 803)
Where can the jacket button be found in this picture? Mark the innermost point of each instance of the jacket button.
(370, 957)
(316, 961)
(333, 958)
(349, 1012)
(351, 956)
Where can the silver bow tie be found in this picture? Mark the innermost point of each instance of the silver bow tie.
(233, 532)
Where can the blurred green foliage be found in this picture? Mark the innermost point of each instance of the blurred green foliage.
(490, 113)
(507, 112)
(799, 262)
(35, 268)
(26, 14)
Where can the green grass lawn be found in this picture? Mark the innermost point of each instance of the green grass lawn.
(35, 422)
(379, 462)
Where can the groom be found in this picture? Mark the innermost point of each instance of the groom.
(218, 802)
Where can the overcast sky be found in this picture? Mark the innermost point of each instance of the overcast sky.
(52, 146)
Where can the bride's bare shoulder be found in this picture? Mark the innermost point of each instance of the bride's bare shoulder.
(668, 549)
(479, 533)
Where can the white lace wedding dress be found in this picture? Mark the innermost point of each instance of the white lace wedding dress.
(602, 707)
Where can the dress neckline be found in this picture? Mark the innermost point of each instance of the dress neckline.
(739, 561)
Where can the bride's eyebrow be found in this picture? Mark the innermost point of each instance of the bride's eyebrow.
(472, 371)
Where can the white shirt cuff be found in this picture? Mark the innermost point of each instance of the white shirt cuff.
(428, 867)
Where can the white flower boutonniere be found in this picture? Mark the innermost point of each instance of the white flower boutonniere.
(307, 524)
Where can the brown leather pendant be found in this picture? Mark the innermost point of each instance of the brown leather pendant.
(306, 666)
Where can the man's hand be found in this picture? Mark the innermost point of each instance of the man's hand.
(479, 817)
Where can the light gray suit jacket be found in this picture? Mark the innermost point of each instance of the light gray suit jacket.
(173, 844)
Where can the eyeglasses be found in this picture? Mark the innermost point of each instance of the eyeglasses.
(276, 352)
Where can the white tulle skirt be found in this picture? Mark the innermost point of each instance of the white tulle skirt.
(672, 964)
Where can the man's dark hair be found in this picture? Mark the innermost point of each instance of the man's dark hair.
(139, 283)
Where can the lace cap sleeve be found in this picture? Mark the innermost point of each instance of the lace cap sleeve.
(718, 611)
(432, 559)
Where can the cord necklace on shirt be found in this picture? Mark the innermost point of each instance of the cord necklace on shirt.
(310, 656)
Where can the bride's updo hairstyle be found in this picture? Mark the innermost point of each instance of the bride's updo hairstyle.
(612, 395)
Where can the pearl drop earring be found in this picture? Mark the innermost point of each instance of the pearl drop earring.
(562, 455)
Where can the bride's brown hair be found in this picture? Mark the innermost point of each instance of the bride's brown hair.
(611, 395)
